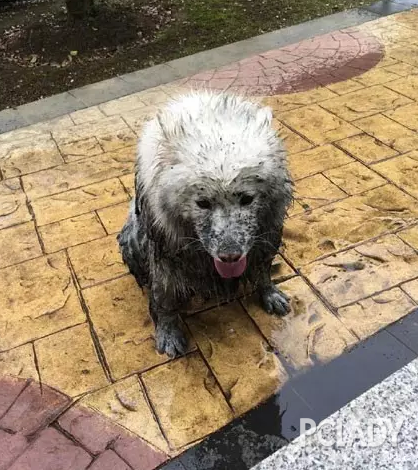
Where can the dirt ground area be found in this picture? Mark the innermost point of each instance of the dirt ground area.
(42, 53)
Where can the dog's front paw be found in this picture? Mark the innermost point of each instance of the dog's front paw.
(170, 339)
(275, 301)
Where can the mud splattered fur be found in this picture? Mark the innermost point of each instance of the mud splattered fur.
(211, 184)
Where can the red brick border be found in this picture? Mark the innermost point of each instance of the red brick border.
(322, 60)
(40, 429)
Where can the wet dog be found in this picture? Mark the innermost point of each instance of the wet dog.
(211, 193)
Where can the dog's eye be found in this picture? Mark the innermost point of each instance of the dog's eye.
(246, 200)
(204, 204)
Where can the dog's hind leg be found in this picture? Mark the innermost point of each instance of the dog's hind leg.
(133, 244)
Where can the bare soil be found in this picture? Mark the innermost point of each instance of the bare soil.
(43, 53)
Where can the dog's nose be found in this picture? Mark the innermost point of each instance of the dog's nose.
(229, 257)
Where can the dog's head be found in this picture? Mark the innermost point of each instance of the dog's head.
(227, 220)
(223, 175)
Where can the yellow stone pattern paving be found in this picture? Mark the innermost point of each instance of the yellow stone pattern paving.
(72, 317)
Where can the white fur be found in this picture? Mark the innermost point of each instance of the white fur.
(205, 135)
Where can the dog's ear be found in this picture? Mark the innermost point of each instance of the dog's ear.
(264, 117)
(170, 125)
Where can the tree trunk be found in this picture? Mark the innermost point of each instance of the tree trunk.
(79, 9)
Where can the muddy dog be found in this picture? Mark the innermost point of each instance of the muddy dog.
(212, 190)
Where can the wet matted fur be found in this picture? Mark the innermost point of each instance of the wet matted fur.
(211, 193)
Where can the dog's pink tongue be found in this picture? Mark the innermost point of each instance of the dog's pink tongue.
(228, 270)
